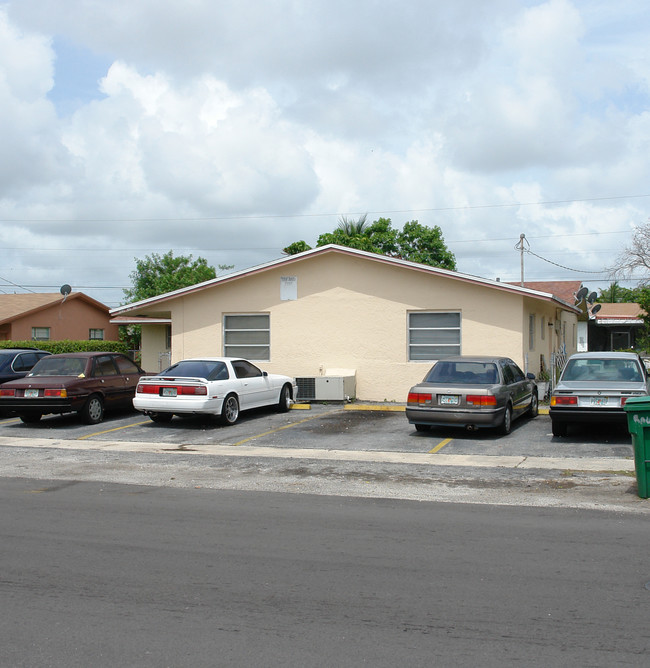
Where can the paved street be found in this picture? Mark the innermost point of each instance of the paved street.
(320, 537)
(127, 575)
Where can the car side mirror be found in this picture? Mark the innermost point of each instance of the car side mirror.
(530, 376)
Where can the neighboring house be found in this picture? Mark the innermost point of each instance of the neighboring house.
(52, 317)
(336, 311)
(615, 326)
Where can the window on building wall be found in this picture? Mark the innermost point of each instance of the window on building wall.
(40, 333)
(96, 334)
(168, 337)
(247, 335)
(542, 329)
(531, 331)
(433, 335)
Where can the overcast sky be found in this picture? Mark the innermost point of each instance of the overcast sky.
(228, 130)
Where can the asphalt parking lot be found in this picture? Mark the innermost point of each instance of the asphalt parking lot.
(333, 427)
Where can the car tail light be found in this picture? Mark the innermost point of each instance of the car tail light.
(481, 400)
(419, 398)
(6, 392)
(564, 401)
(55, 393)
(180, 389)
(192, 389)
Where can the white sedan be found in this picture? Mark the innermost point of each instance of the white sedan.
(217, 386)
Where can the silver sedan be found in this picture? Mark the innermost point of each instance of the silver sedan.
(594, 387)
(472, 392)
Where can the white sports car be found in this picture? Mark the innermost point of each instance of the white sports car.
(218, 386)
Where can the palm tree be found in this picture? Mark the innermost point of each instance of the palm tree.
(353, 228)
(611, 294)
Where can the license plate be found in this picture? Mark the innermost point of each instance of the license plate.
(449, 400)
(169, 392)
(31, 394)
(599, 401)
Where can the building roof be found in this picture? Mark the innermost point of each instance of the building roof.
(564, 290)
(19, 305)
(344, 250)
(619, 314)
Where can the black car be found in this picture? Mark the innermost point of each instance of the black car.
(17, 362)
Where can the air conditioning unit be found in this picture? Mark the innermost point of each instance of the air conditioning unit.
(326, 388)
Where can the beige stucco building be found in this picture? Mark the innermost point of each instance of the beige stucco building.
(339, 311)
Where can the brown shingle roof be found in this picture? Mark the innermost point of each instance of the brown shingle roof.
(12, 306)
(564, 290)
(18, 305)
(626, 311)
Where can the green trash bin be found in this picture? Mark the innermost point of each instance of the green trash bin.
(638, 423)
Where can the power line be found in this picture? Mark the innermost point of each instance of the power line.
(468, 207)
(578, 271)
(272, 248)
(22, 287)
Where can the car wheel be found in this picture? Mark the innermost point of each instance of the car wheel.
(230, 410)
(285, 400)
(93, 410)
(31, 419)
(559, 428)
(533, 410)
(161, 417)
(422, 427)
(506, 425)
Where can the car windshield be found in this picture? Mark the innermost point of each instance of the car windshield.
(463, 373)
(210, 370)
(61, 366)
(609, 370)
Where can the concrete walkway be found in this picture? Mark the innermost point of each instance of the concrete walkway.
(598, 465)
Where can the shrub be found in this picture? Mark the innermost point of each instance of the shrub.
(70, 346)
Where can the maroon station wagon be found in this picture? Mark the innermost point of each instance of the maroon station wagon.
(83, 383)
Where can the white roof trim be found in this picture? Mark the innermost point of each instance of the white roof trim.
(348, 251)
(618, 321)
(139, 320)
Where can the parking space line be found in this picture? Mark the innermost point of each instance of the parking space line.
(374, 407)
(286, 426)
(440, 445)
(108, 431)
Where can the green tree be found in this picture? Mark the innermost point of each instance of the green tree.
(414, 242)
(157, 274)
(296, 247)
(353, 227)
(614, 293)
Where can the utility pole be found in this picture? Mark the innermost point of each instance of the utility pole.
(520, 246)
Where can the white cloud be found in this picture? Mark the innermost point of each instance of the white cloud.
(209, 114)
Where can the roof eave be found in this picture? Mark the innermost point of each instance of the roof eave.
(298, 257)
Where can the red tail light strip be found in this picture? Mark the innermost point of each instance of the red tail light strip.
(481, 400)
(196, 390)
